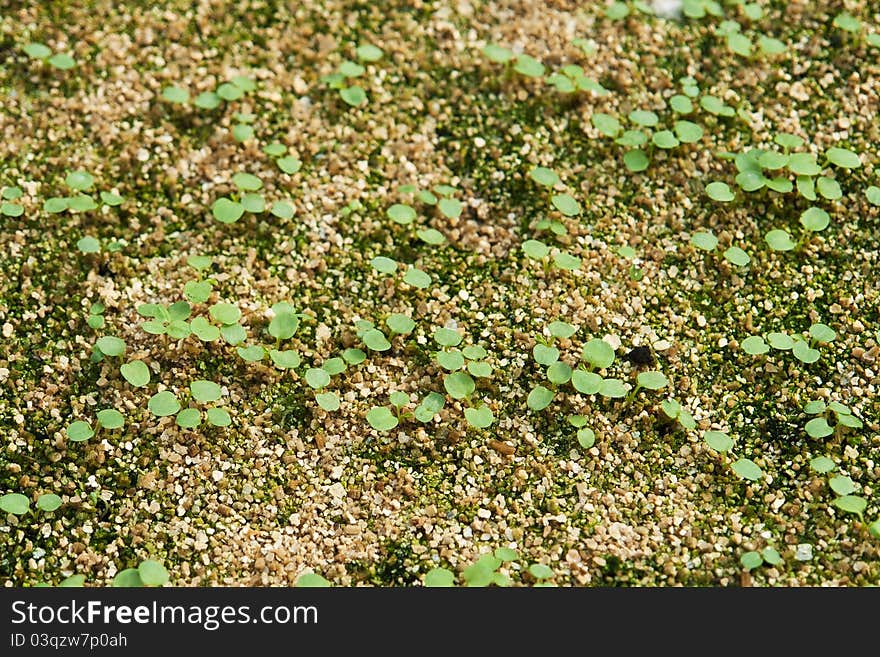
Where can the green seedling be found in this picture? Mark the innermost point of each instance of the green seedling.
(95, 318)
(706, 241)
(348, 71)
(149, 573)
(42, 52)
(819, 427)
(199, 290)
(675, 411)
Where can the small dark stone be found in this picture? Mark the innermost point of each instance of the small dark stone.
(640, 356)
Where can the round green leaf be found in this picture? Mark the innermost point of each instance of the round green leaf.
(402, 214)
(175, 95)
(219, 417)
(751, 560)
(747, 469)
(566, 204)
(152, 573)
(227, 211)
(381, 419)
(163, 404)
(779, 240)
(376, 340)
(652, 380)
(851, 504)
(598, 353)
(544, 176)
(586, 437)
(719, 191)
(329, 401)
(79, 431)
(479, 418)
(439, 577)
(189, 418)
(704, 240)
(718, 440)
(843, 158)
(312, 580)
(15, 503)
(539, 398)
(110, 418)
(459, 385)
(48, 502)
(205, 391)
(818, 428)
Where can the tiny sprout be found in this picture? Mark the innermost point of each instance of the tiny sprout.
(755, 345)
(312, 580)
(189, 418)
(818, 428)
(539, 398)
(226, 210)
(163, 404)
(252, 353)
(110, 418)
(110, 346)
(718, 440)
(528, 66)
(175, 95)
(205, 391)
(606, 124)
(401, 214)
(704, 240)
(540, 571)
(559, 373)
(559, 329)
(329, 401)
(822, 464)
(417, 278)
(719, 191)
(285, 360)
(374, 339)
(544, 176)
(848, 22)
(652, 380)
(369, 53)
(88, 244)
(48, 502)
(815, 219)
(15, 503)
(439, 577)
(400, 324)
(779, 240)
(747, 469)
(381, 419)
(136, 373)
(480, 417)
(450, 208)
(354, 356)
(545, 354)
(152, 573)
(842, 485)
(447, 337)
(497, 54)
(219, 417)
(353, 95)
(851, 504)
(535, 250)
(383, 265)
(598, 353)
(566, 204)
(822, 333)
(317, 378)
(635, 160)
(79, 431)
(586, 437)
(459, 385)
(736, 256)
(751, 560)
(873, 195)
